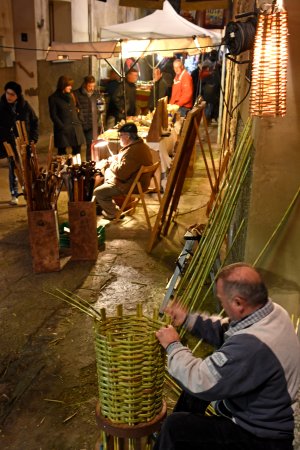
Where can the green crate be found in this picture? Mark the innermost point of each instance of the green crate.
(64, 238)
(101, 234)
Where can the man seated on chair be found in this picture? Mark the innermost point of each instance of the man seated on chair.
(121, 169)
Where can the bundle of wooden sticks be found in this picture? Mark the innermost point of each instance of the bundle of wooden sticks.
(40, 187)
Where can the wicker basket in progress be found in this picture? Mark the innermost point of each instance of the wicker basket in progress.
(130, 367)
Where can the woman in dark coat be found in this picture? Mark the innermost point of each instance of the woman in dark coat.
(66, 118)
(13, 108)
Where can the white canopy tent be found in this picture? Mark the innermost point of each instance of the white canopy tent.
(163, 31)
(163, 23)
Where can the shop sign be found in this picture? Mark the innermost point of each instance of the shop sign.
(200, 5)
(214, 18)
(152, 4)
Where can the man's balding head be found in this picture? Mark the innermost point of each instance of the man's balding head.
(243, 280)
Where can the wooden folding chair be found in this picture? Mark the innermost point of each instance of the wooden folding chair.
(137, 191)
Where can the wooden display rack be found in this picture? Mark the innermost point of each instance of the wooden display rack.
(159, 121)
(83, 230)
(179, 169)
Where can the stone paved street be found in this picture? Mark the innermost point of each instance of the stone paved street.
(48, 382)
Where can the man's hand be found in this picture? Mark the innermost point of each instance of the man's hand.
(167, 335)
(112, 158)
(177, 312)
(102, 164)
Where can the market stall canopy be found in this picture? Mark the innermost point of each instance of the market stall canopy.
(165, 23)
(165, 29)
(165, 47)
(60, 51)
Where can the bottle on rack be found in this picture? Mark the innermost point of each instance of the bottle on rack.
(101, 104)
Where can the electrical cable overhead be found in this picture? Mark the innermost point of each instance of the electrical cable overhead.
(92, 52)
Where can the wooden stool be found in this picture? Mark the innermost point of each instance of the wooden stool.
(124, 433)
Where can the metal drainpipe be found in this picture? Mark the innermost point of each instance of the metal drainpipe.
(90, 28)
(221, 95)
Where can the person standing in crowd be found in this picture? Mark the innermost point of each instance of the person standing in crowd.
(182, 89)
(251, 380)
(161, 88)
(13, 108)
(121, 170)
(202, 71)
(118, 99)
(166, 65)
(111, 87)
(210, 89)
(66, 117)
(87, 102)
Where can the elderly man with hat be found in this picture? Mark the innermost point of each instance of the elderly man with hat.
(121, 170)
(14, 107)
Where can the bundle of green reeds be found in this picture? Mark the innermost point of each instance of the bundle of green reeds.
(215, 233)
(192, 284)
(75, 301)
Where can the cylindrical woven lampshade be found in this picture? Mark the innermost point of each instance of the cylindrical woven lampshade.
(130, 367)
(269, 69)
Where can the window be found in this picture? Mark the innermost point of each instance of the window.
(60, 21)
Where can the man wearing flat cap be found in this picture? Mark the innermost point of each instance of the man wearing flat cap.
(121, 170)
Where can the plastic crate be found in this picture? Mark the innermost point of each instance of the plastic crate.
(64, 236)
(101, 234)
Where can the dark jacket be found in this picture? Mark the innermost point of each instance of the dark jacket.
(111, 87)
(118, 100)
(254, 374)
(88, 108)
(211, 87)
(161, 88)
(8, 118)
(67, 122)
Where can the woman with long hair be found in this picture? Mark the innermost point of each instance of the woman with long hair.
(66, 117)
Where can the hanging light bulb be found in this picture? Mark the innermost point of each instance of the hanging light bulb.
(269, 68)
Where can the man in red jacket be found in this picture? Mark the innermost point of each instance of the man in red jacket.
(182, 89)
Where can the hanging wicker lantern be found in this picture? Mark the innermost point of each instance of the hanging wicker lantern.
(269, 69)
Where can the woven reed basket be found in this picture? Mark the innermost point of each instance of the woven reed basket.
(130, 367)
